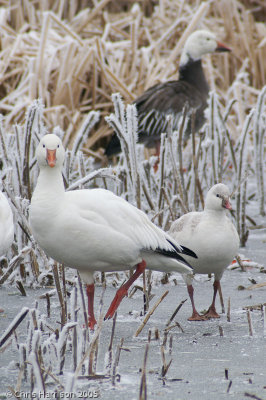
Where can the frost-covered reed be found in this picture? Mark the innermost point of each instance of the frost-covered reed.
(185, 173)
(74, 55)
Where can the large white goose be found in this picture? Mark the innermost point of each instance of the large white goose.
(6, 225)
(95, 230)
(213, 237)
(169, 98)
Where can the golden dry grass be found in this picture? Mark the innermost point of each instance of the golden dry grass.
(75, 57)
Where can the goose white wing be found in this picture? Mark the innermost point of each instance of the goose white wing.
(185, 226)
(116, 214)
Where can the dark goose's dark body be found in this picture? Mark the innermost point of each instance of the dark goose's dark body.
(169, 98)
(166, 98)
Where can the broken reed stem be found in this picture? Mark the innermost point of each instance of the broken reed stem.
(238, 259)
(226, 373)
(162, 176)
(143, 381)
(259, 132)
(93, 358)
(229, 386)
(170, 344)
(212, 127)
(244, 231)
(221, 299)
(175, 312)
(82, 301)
(63, 279)
(228, 310)
(264, 320)
(221, 332)
(75, 336)
(150, 313)
(13, 325)
(48, 307)
(165, 366)
(180, 153)
(241, 164)
(250, 327)
(116, 360)
(252, 396)
(60, 295)
(176, 324)
(145, 294)
(110, 352)
(91, 345)
(195, 157)
(175, 170)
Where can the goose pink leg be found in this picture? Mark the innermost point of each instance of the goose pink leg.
(90, 295)
(195, 315)
(212, 313)
(122, 291)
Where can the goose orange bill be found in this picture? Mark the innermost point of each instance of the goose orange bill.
(222, 47)
(51, 157)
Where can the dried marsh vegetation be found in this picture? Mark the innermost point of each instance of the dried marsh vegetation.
(75, 57)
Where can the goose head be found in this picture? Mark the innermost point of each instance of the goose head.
(218, 198)
(50, 152)
(199, 43)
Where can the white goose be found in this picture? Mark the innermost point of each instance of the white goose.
(95, 230)
(6, 225)
(213, 237)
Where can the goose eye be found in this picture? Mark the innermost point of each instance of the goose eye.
(58, 146)
(43, 146)
(217, 195)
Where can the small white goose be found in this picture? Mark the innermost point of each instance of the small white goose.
(95, 230)
(213, 237)
(6, 225)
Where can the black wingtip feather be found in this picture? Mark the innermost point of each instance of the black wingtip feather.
(184, 250)
(173, 254)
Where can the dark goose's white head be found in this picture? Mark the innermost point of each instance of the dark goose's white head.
(199, 43)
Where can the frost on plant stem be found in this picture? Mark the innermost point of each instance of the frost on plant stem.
(62, 342)
(13, 325)
(242, 172)
(125, 126)
(83, 133)
(259, 149)
(34, 360)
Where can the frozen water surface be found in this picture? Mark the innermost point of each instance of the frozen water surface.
(201, 357)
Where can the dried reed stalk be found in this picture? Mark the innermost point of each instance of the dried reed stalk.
(77, 58)
(149, 314)
(116, 360)
(228, 315)
(143, 381)
(174, 313)
(13, 325)
(60, 295)
(250, 326)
